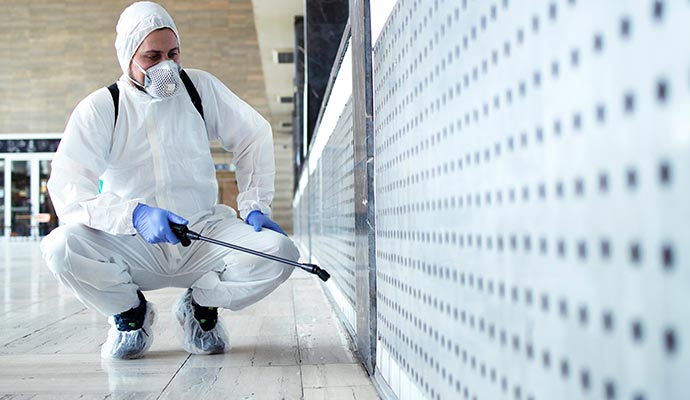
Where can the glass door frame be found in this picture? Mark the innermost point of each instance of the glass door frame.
(34, 160)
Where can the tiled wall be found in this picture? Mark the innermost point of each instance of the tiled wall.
(333, 241)
(324, 217)
(532, 186)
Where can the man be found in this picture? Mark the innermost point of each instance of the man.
(153, 158)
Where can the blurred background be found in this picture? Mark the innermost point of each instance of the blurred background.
(54, 53)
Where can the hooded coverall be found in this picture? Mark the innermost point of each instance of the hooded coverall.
(157, 153)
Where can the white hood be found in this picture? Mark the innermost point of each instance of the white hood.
(136, 22)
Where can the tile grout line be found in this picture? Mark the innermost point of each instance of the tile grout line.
(299, 348)
(43, 327)
(173, 377)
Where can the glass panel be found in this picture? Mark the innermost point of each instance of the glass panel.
(2, 197)
(47, 219)
(21, 198)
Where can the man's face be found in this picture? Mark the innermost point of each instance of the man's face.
(159, 45)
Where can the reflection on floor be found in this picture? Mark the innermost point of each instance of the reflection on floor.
(289, 346)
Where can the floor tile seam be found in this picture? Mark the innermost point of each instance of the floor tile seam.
(173, 377)
(339, 386)
(222, 367)
(356, 362)
(42, 328)
(299, 347)
(261, 336)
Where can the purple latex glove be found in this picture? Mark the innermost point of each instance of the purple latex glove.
(257, 219)
(153, 224)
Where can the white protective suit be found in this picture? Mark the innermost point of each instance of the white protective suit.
(158, 153)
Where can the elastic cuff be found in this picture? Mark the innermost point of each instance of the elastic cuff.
(128, 215)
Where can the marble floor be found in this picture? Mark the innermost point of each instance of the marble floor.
(288, 346)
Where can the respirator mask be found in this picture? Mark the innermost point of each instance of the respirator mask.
(162, 80)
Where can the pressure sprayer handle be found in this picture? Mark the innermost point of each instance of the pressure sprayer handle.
(182, 232)
(185, 235)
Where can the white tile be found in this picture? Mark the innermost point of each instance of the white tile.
(319, 329)
(331, 375)
(394, 380)
(268, 308)
(341, 393)
(242, 324)
(192, 383)
(326, 354)
(50, 346)
(236, 383)
(269, 326)
(65, 381)
(252, 351)
(415, 393)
